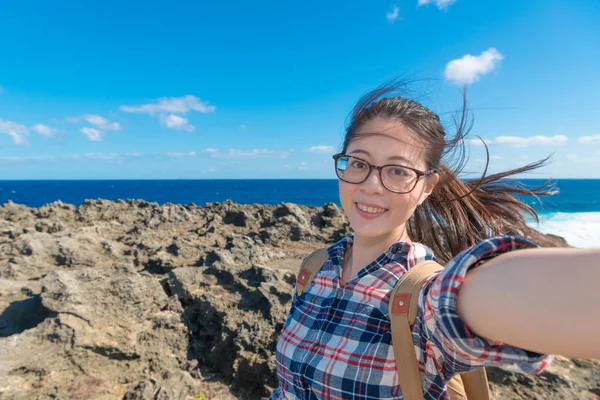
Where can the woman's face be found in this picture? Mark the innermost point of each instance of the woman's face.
(372, 210)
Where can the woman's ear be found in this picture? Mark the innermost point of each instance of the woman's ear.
(430, 183)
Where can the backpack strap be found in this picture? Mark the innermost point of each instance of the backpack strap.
(309, 268)
(476, 384)
(403, 309)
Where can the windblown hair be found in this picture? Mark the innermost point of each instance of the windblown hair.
(458, 213)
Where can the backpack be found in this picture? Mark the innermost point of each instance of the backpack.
(403, 309)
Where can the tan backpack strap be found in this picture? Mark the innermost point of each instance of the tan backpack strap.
(476, 384)
(456, 388)
(403, 308)
(309, 268)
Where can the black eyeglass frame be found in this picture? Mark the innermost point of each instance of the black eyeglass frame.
(419, 173)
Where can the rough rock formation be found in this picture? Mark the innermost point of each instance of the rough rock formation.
(133, 300)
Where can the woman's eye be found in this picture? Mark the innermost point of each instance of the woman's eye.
(398, 171)
(358, 164)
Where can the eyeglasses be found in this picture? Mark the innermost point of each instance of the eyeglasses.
(395, 178)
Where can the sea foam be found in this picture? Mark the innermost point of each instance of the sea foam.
(578, 229)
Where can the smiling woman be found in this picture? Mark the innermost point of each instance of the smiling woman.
(406, 206)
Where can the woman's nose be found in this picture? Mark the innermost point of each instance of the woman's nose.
(373, 183)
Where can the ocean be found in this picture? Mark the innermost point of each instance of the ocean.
(573, 212)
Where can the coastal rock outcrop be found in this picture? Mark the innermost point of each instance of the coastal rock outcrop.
(134, 300)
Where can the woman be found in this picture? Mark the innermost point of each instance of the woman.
(500, 300)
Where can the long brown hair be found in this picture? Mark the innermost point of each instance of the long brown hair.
(458, 213)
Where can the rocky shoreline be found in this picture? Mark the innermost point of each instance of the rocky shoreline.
(133, 300)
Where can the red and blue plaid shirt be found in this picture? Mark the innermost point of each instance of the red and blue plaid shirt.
(336, 342)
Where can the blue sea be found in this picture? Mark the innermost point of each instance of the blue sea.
(574, 212)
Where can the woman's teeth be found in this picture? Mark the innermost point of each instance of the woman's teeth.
(371, 210)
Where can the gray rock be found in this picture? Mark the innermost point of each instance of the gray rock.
(133, 300)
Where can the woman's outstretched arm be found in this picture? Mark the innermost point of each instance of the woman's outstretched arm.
(542, 300)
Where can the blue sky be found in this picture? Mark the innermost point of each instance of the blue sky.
(197, 89)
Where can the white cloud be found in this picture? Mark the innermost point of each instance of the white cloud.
(101, 126)
(393, 15)
(237, 153)
(102, 123)
(470, 69)
(181, 155)
(594, 139)
(303, 166)
(441, 4)
(176, 122)
(495, 158)
(521, 141)
(180, 105)
(582, 159)
(532, 140)
(93, 134)
(17, 132)
(322, 149)
(244, 128)
(168, 107)
(96, 120)
(44, 130)
(101, 156)
(255, 153)
(478, 142)
(73, 157)
(209, 170)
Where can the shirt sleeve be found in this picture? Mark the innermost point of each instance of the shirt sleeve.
(458, 349)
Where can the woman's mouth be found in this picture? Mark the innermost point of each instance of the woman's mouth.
(369, 212)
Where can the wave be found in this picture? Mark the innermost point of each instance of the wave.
(578, 229)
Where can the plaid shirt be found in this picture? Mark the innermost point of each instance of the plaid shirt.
(336, 342)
